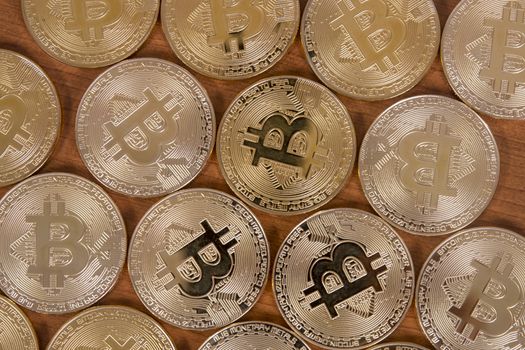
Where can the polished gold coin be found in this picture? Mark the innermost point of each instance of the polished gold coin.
(145, 127)
(30, 117)
(343, 279)
(111, 328)
(286, 145)
(254, 336)
(63, 243)
(398, 346)
(483, 55)
(429, 165)
(226, 39)
(471, 291)
(88, 33)
(199, 259)
(370, 50)
(16, 331)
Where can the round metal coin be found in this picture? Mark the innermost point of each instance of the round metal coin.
(145, 127)
(343, 279)
(230, 39)
(398, 346)
(286, 145)
(429, 165)
(63, 243)
(370, 50)
(90, 34)
(483, 56)
(199, 259)
(16, 329)
(470, 293)
(30, 117)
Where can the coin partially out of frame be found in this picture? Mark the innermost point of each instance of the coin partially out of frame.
(63, 243)
(398, 346)
(17, 332)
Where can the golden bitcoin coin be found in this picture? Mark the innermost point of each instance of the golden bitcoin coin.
(90, 33)
(199, 259)
(230, 39)
(254, 336)
(429, 165)
(64, 243)
(370, 50)
(16, 331)
(145, 127)
(286, 145)
(470, 291)
(111, 328)
(343, 279)
(398, 346)
(483, 55)
(30, 117)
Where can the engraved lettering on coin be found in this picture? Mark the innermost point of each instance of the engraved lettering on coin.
(127, 345)
(90, 17)
(16, 331)
(13, 112)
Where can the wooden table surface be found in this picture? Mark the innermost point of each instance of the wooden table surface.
(507, 210)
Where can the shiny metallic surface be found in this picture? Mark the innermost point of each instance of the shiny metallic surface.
(30, 117)
(370, 50)
(429, 165)
(470, 291)
(199, 259)
(63, 243)
(483, 56)
(286, 145)
(16, 331)
(145, 127)
(398, 346)
(230, 39)
(343, 279)
(87, 33)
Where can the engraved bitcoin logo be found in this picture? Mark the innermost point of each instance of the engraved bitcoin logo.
(12, 115)
(115, 345)
(142, 135)
(197, 266)
(348, 271)
(376, 34)
(486, 307)
(90, 17)
(427, 162)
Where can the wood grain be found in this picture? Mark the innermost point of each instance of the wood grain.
(507, 209)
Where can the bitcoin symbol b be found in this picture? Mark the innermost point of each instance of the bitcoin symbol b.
(12, 115)
(93, 15)
(115, 345)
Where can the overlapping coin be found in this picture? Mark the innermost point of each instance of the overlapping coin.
(343, 279)
(90, 33)
(16, 329)
(429, 165)
(483, 56)
(63, 243)
(145, 127)
(30, 117)
(286, 145)
(230, 39)
(199, 259)
(470, 293)
(398, 346)
(370, 50)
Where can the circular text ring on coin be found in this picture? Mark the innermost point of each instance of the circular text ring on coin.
(17, 330)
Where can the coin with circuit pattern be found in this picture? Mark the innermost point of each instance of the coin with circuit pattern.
(30, 117)
(199, 259)
(63, 243)
(470, 292)
(343, 279)
(145, 127)
(16, 331)
(429, 165)
(286, 145)
(398, 346)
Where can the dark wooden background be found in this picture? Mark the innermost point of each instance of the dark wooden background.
(507, 209)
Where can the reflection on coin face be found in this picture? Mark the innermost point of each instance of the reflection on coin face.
(29, 117)
(86, 33)
(64, 243)
(370, 50)
(16, 331)
(286, 145)
(398, 346)
(483, 56)
(199, 259)
(343, 279)
(230, 39)
(470, 291)
(145, 127)
(113, 328)
(429, 165)
(254, 336)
